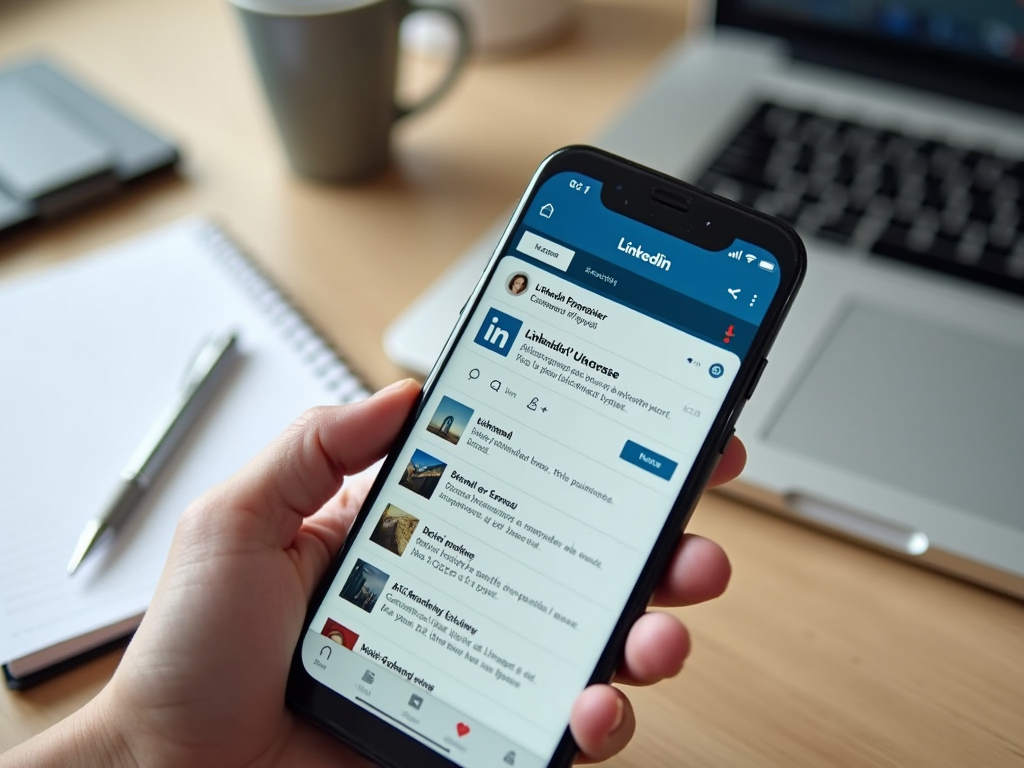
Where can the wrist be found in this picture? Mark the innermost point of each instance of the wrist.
(100, 735)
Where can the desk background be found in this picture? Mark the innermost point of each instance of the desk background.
(821, 653)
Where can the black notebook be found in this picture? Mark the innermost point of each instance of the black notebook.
(92, 351)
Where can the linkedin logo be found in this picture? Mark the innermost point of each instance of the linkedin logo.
(498, 332)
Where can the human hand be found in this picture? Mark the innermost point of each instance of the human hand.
(203, 681)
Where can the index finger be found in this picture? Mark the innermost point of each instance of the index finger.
(733, 459)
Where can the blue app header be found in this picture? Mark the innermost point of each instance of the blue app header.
(740, 280)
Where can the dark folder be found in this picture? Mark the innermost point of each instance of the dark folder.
(63, 147)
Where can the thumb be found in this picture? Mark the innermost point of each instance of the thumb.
(305, 466)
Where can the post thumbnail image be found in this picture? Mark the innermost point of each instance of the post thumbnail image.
(364, 585)
(450, 420)
(340, 634)
(423, 474)
(394, 530)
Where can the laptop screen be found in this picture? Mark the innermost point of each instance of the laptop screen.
(987, 31)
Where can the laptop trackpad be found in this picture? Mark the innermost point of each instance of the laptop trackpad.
(938, 412)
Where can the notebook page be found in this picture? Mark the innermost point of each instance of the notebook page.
(90, 353)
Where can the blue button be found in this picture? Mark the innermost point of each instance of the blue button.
(647, 459)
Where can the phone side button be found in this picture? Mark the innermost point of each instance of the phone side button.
(725, 441)
(757, 377)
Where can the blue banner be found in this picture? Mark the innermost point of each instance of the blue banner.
(739, 280)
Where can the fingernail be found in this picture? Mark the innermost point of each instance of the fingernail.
(395, 386)
(619, 712)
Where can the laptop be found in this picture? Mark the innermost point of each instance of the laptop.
(891, 135)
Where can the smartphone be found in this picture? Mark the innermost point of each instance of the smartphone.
(521, 521)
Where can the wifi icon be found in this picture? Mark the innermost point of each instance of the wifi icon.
(750, 257)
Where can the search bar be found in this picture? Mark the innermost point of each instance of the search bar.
(542, 249)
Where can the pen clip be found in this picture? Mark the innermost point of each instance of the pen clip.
(210, 352)
(208, 367)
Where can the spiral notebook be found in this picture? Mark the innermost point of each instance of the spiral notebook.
(91, 352)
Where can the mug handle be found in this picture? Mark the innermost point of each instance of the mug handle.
(461, 55)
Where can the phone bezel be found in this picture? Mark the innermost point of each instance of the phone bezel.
(623, 181)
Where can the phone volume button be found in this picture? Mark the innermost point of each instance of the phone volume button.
(725, 442)
(730, 429)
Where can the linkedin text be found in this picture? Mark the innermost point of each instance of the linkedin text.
(578, 356)
(637, 251)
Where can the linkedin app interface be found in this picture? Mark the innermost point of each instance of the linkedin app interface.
(477, 599)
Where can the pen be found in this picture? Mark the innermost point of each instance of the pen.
(204, 376)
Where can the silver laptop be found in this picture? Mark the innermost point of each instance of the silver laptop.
(891, 134)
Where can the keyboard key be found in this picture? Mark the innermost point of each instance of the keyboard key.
(953, 222)
(997, 252)
(944, 248)
(1002, 236)
(988, 173)
(841, 229)
(906, 211)
(804, 160)
(981, 208)
(893, 239)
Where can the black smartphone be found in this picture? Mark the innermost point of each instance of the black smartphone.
(522, 519)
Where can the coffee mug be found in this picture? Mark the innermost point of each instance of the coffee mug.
(496, 26)
(328, 68)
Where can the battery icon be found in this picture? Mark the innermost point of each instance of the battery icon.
(767, 266)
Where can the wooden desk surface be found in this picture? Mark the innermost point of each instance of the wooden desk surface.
(821, 653)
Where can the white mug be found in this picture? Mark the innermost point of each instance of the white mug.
(496, 26)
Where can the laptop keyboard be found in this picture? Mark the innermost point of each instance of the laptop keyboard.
(953, 209)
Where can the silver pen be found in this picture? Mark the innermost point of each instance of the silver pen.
(207, 372)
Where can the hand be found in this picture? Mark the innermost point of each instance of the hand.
(203, 681)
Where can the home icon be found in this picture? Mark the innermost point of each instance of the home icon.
(547, 210)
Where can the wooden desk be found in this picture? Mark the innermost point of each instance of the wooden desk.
(820, 653)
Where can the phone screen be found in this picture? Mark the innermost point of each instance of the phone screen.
(477, 598)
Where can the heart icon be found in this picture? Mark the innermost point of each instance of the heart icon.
(462, 729)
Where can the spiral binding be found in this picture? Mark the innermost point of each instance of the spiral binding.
(326, 361)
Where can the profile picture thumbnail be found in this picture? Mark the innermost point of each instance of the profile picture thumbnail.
(423, 474)
(517, 283)
(394, 530)
(450, 420)
(364, 585)
(340, 634)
